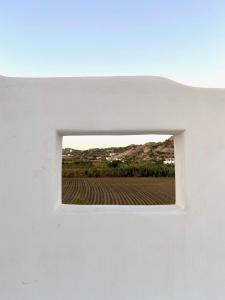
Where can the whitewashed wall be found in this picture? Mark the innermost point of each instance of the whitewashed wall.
(52, 252)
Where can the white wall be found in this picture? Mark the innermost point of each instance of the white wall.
(52, 252)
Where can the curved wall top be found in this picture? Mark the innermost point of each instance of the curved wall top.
(49, 251)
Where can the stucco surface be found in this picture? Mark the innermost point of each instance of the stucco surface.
(49, 251)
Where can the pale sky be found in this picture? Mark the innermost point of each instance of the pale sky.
(103, 141)
(182, 40)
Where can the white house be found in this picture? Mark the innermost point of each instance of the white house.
(169, 161)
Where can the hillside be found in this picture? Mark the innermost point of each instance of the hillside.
(150, 151)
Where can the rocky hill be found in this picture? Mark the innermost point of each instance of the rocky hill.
(151, 151)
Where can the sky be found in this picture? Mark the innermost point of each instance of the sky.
(180, 40)
(103, 141)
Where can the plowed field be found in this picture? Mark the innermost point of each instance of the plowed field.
(119, 191)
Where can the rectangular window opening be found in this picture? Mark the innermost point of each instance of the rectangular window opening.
(118, 170)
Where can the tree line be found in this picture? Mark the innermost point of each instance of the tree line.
(117, 169)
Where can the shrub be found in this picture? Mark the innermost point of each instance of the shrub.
(80, 201)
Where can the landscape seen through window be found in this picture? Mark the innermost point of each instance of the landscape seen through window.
(118, 170)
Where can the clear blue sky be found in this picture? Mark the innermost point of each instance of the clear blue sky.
(182, 40)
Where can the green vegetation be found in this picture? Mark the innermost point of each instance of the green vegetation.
(72, 168)
(79, 201)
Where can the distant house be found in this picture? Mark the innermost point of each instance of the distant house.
(110, 157)
(67, 155)
(169, 161)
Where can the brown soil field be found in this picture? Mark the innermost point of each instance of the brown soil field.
(119, 191)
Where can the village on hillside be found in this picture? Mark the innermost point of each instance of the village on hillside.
(152, 151)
